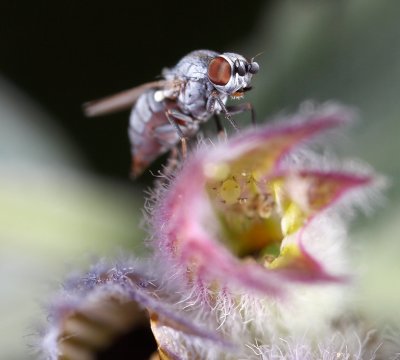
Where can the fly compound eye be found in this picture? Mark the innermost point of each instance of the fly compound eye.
(219, 71)
(254, 67)
(239, 68)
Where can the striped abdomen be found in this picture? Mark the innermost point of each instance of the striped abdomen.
(150, 132)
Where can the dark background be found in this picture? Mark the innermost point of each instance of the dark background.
(63, 53)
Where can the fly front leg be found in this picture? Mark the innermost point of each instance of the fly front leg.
(220, 129)
(238, 109)
(174, 115)
(211, 108)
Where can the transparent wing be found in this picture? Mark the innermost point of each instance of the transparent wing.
(122, 100)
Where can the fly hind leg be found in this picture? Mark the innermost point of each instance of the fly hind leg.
(172, 162)
(175, 117)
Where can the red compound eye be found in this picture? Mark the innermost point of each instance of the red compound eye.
(219, 71)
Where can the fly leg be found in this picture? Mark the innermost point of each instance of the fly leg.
(220, 129)
(173, 116)
(173, 162)
(165, 135)
(237, 109)
(211, 108)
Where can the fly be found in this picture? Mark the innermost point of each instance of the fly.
(171, 109)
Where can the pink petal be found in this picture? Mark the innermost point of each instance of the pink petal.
(315, 191)
(186, 230)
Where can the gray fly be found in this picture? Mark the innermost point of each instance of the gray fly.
(171, 109)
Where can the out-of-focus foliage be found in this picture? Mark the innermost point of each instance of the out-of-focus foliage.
(53, 217)
(342, 50)
(379, 263)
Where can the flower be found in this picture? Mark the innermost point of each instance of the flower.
(239, 212)
(249, 257)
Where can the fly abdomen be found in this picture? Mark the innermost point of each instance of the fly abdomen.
(151, 133)
(146, 115)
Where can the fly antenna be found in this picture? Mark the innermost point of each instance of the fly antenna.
(260, 53)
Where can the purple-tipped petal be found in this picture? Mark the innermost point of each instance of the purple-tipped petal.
(104, 304)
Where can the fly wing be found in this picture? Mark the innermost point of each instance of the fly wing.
(122, 100)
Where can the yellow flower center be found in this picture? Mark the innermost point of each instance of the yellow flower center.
(254, 214)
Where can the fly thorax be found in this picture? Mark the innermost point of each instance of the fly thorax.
(192, 99)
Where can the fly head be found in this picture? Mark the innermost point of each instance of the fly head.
(231, 73)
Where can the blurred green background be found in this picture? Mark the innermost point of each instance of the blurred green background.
(65, 197)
